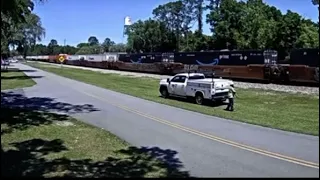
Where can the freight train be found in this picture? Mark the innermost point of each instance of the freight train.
(302, 67)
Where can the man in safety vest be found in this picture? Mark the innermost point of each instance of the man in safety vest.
(231, 95)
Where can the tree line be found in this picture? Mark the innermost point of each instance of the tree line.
(233, 24)
(91, 47)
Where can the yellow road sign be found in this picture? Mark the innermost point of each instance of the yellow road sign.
(61, 58)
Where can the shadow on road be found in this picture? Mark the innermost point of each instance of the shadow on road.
(28, 160)
(28, 157)
(19, 111)
(17, 100)
(17, 70)
(20, 77)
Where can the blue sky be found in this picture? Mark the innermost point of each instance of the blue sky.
(76, 20)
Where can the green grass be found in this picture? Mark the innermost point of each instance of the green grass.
(51, 145)
(286, 111)
(14, 78)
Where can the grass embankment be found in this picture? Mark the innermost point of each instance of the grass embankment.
(41, 144)
(14, 78)
(286, 111)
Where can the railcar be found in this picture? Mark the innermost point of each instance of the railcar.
(303, 65)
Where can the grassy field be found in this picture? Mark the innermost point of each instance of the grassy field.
(50, 145)
(291, 112)
(14, 78)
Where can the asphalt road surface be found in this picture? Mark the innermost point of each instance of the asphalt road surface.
(207, 146)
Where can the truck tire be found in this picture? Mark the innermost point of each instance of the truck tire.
(199, 98)
(164, 92)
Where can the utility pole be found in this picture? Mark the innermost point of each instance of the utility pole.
(64, 46)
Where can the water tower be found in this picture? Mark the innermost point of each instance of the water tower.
(127, 23)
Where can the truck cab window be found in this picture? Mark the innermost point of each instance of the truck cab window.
(182, 79)
(179, 79)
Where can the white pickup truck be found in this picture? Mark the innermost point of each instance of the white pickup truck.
(197, 86)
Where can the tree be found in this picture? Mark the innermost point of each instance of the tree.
(53, 47)
(118, 48)
(13, 14)
(199, 11)
(291, 29)
(107, 43)
(39, 49)
(70, 49)
(177, 16)
(150, 36)
(225, 20)
(256, 25)
(93, 49)
(53, 42)
(27, 34)
(80, 45)
(93, 41)
(309, 36)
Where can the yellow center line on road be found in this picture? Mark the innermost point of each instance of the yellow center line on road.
(205, 135)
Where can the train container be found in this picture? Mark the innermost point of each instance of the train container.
(73, 57)
(137, 67)
(124, 57)
(72, 60)
(144, 62)
(304, 65)
(53, 58)
(111, 57)
(308, 57)
(93, 60)
(42, 58)
(141, 58)
(231, 64)
(45, 58)
(95, 57)
(233, 58)
(161, 63)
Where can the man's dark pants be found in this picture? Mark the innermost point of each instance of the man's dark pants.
(230, 104)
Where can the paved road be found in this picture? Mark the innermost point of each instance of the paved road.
(206, 145)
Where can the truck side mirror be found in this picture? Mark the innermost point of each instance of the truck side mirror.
(168, 80)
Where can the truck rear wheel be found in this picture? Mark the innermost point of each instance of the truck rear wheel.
(199, 98)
